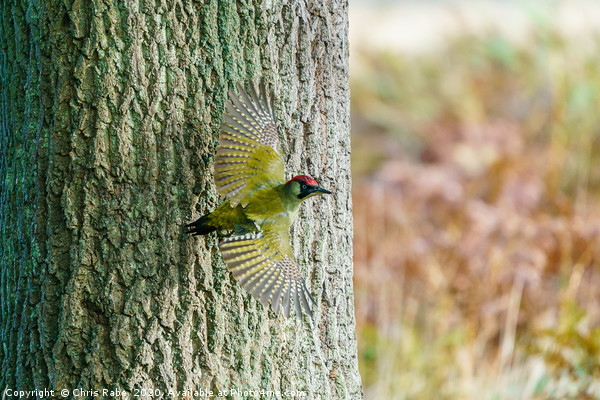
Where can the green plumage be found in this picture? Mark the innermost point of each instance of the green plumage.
(259, 207)
(277, 205)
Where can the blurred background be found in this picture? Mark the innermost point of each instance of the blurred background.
(476, 138)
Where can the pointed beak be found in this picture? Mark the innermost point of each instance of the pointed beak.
(321, 190)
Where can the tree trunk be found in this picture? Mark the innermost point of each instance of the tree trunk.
(110, 112)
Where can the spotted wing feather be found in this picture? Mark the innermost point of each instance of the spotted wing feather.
(263, 264)
(247, 156)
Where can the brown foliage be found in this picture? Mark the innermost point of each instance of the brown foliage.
(476, 205)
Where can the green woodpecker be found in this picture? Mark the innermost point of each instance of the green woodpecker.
(259, 207)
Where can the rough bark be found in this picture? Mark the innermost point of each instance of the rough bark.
(109, 116)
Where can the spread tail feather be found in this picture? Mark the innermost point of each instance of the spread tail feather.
(200, 227)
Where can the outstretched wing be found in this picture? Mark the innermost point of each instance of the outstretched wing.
(263, 264)
(247, 156)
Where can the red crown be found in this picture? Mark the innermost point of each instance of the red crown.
(304, 178)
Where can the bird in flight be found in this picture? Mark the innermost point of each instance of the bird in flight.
(260, 205)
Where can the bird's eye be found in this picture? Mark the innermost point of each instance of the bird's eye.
(303, 187)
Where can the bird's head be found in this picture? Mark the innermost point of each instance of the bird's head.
(303, 186)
